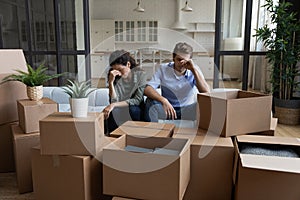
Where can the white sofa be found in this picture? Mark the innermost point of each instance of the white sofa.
(98, 100)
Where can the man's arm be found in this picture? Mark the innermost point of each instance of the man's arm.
(201, 83)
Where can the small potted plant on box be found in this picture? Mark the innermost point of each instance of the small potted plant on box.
(78, 92)
(33, 79)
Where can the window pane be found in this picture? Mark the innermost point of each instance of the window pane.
(231, 71)
(10, 28)
(233, 18)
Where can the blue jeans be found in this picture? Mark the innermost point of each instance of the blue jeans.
(119, 115)
(154, 111)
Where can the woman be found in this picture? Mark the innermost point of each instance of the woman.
(126, 90)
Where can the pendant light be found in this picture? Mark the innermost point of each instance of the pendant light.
(139, 8)
(187, 8)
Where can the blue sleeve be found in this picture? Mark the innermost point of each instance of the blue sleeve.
(156, 78)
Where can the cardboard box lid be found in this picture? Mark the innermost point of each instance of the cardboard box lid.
(67, 117)
(140, 131)
(27, 102)
(268, 140)
(12, 59)
(212, 140)
(234, 95)
(154, 125)
(19, 133)
(273, 163)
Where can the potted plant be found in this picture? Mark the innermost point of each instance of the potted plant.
(33, 79)
(282, 41)
(78, 92)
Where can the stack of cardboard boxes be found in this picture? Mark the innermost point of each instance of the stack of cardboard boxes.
(67, 165)
(26, 135)
(218, 168)
(9, 93)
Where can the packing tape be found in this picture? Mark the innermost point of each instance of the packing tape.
(55, 159)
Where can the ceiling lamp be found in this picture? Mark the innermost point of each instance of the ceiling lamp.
(187, 8)
(139, 8)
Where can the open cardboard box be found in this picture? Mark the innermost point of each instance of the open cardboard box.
(148, 129)
(234, 112)
(146, 175)
(263, 177)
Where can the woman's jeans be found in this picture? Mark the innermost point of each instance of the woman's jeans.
(119, 115)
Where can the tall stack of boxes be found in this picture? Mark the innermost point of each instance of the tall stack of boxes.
(9, 93)
(67, 163)
(26, 135)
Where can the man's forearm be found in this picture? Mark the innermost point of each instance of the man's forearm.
(201, 83)
(153, 94)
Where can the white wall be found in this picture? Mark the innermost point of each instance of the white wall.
(162, 10)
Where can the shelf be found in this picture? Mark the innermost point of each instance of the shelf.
(201, 31)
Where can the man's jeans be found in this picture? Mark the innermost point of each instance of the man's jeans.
(154, 111)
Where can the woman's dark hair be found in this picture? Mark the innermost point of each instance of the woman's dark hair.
(121, 57)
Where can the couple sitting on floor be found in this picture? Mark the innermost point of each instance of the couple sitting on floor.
(128, 85)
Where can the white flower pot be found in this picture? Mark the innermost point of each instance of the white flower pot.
(79, 107)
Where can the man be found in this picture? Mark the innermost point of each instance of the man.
(177, 80)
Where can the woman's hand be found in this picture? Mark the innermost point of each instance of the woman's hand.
(113, 74)
(107, 110)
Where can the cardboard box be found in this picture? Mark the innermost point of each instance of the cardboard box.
(270, 132)
(22, 148)
(148, 129)
(153, 176)
(30, 112)
(267, 176)
(7, 162)
(234, 112)
(61, 134)
(211, 166)
(11, 59)
(121, 198)
(66, 177)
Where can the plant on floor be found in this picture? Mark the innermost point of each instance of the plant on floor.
(33, 79)
(281, 39)
(78, 92)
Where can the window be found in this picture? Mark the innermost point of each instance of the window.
(136, 31)
(119, 30)
(130, 31)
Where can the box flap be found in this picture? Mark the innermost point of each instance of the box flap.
(212, 140)
(268, 140)
(282, 164)
(152, 125)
